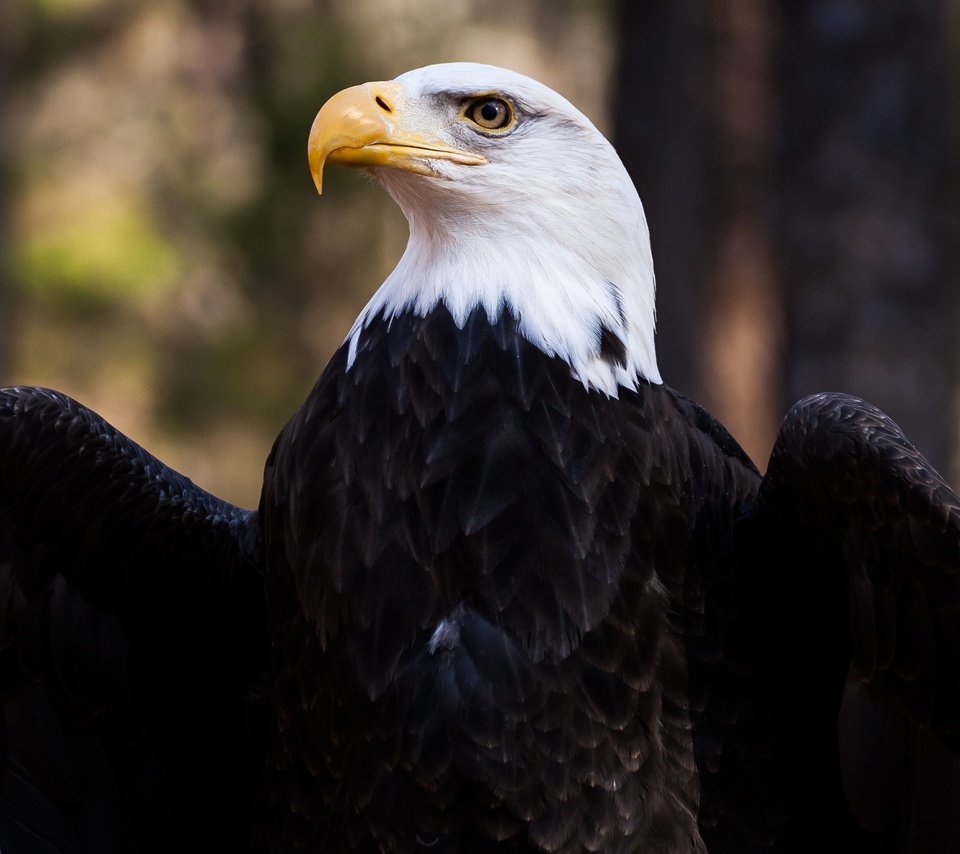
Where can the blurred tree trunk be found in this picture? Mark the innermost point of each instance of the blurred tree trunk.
(6, 308)
(17, 30)
(693, 129)
(857, 174)
(6, 286)
(661, 136)
(866, 209)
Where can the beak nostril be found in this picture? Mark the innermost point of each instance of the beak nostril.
(383, 105)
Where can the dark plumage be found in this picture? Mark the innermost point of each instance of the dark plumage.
(504, 591)
(132, 646)
(486, 494)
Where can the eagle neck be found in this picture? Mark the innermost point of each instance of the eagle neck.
(601, 322)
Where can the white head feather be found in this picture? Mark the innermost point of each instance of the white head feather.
(551, 226)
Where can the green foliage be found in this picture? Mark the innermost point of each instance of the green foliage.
(107, 254)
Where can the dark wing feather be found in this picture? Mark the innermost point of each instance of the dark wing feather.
(131, 643)
(855, 545)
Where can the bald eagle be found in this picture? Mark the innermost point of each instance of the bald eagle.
(505, 590)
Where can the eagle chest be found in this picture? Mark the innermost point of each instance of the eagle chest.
(464, 466)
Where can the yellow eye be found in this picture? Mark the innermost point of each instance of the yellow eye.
(490, 113)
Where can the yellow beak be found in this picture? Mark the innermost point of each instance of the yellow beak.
(368, 125)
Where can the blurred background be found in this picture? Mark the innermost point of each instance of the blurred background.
(164, 257)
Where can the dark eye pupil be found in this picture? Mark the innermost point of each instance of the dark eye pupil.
(490, 111)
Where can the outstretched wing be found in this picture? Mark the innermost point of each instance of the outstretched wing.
(131, 643)
(854, 588)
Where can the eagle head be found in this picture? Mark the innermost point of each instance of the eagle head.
(514, 201)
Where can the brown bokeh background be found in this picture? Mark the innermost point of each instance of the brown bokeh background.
(166, 260)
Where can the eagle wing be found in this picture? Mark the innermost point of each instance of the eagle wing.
(131, 643)
(854, 548)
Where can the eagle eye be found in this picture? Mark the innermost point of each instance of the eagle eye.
(490, 113)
